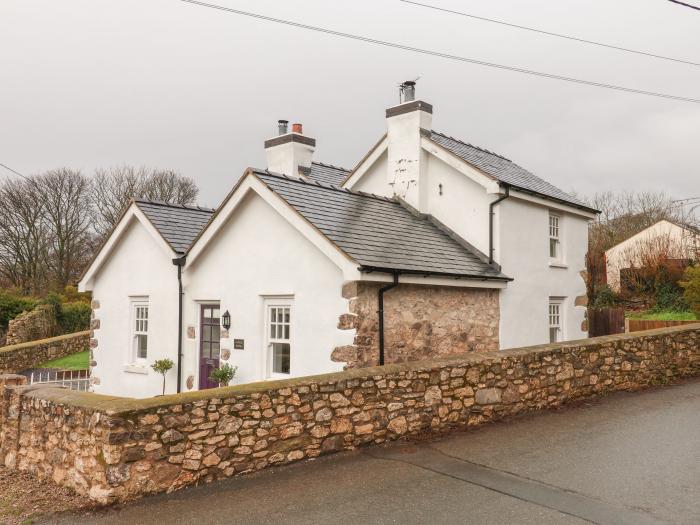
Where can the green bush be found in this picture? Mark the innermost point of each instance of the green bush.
(163, 366)
(604, 297)
(11, 305)
(70, 316)
(691, 285)
(224, 374)
(74, 317)
(669, 297)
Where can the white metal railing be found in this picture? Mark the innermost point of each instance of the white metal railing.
(72, 379)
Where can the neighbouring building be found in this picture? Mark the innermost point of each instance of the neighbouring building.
(429, 246)
(675, 243)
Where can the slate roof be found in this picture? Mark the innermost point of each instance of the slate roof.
(503, 169)
(179, 225)
(327, 174)
(379, 233)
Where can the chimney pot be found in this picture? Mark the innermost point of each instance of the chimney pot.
(282, 126)
(409, 90)
(296, 128)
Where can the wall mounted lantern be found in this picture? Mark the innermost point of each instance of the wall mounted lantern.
(226, 320)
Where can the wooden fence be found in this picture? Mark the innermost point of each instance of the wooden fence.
(605, 321)
(637, 325)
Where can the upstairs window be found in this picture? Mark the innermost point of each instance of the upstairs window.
(139, 329)
(555, 325)
(279, 319)
(554, 241)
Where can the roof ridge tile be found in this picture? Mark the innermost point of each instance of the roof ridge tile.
(325, 186)
(144, 200)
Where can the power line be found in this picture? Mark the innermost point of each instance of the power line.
(439, 54)
(684, 4)
(14, 171)
(549, 33)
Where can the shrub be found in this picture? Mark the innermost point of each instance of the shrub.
(163, 366)
(11, 305)
(691, 284)
(54, 300)
(604, 298)
(224, 374)
(669, 297)
(74, 317)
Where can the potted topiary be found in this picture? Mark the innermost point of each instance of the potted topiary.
(224, 374)
(162, 366)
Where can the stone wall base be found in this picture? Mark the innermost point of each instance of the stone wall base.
(421, 322)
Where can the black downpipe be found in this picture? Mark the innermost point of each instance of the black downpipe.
(179, 262)
(491, 214)
(382, 290)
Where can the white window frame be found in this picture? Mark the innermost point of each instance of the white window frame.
(555, 319)
(269, 304)
(136, 329)
(554, 224)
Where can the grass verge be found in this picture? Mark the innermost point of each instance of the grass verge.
(663, 315)
(79, 361)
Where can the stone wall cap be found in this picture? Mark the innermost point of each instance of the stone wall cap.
(29, 344)
(124, 406)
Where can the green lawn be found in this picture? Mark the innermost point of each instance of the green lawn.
(667, 315)
(79, 361)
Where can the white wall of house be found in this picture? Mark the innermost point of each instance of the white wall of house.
(463, 206)
(521, 234)
(258, 255)
(523, 243)
(664, 237)
(139, 266)
(375, 181)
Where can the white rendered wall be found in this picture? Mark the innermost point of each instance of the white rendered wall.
(463, 206)
(258, 253)
(523, 239)
(138, 266)
(375, 178)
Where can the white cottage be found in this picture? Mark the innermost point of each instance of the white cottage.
(430, 246)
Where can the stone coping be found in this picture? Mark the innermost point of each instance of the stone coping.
(47, 341)
(124, 406)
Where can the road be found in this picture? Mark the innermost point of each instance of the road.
(627, 458)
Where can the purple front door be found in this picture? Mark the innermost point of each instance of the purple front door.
(209, 342)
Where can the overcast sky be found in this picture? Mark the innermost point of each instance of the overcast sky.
(162, 83)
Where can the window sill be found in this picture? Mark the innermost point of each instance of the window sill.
(557, 264)
(136, 369)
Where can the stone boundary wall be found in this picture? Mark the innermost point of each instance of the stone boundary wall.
(115, 449)
(33, 325)
(19, 357)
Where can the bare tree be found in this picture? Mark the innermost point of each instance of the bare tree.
(171, 187)
(111, 191)
(65, 195)
(23, 239)
(113, 188)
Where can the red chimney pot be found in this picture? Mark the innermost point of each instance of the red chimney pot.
(296, 128)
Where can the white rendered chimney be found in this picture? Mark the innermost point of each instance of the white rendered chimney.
(407, 166)
(290, 153)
